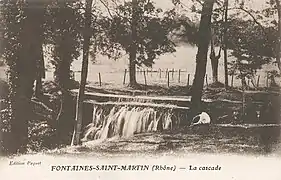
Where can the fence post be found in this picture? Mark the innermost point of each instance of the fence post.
(207, 80)
(173, 70)
(168, 79)
(124, 80)
(99, 79)
(166, 73)
(144, 78)
(151, 72)
(159, 73)
(267, 80)
(188, 77)
(232, 76)
(258, 81)
(243, 101)
(179, 75)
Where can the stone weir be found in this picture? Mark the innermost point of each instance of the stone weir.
(111, 115)
(108, 115)
(181, 101)
(164, 102)
(179, 104)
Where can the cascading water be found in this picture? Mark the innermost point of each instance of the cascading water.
(125, 121)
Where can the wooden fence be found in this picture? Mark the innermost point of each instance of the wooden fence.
(171, 77)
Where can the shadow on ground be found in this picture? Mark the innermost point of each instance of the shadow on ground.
(204, 139)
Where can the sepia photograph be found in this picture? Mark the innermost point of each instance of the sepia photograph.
(140, 89)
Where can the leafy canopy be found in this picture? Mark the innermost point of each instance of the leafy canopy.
(153, 28)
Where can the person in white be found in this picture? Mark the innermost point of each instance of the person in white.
(204, 118)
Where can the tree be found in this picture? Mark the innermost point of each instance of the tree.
(225, 38)
(278, 44)
(217, 33)
(137, 29)
(133, 46)
(185, 30)
(22, 21)
(190, 31)
(204, 36)
(84, 72)
(270, 12)
(214, 60)
(63, 32)
(251, 48)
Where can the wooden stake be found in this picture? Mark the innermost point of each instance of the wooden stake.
(144, 78)
(124, 80)
(267, 80)
(168, 79)
(258, 81)
(188, 77)
(159, 73)
(243, 102)
(232, 76)
(179, 80)
(99, 79)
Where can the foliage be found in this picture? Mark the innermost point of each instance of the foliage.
(13, 17)
(270, 10)
(185, 29)
(190, 28)
(152, 32)
(22, 34)
(250, 46)
(63, 30)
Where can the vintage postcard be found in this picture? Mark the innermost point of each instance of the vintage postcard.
(140, 89)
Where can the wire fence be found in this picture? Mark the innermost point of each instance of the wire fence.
(171, 77)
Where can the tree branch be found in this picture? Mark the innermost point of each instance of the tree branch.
(278, 44)
(199, 2)
(253, 17)
(109, 11)
(107, 8)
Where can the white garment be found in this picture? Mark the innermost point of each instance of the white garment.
(204, 118)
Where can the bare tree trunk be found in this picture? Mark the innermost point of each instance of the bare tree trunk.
(214, 63)
(272, 81)
(214, 60)
(132, 70)
(225, 45)
(278, 48)
(201, 57)
(84, 73)
(133, 48)
(243, 82)
(253, 81)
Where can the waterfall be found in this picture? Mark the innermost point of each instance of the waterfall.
(125, 121)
